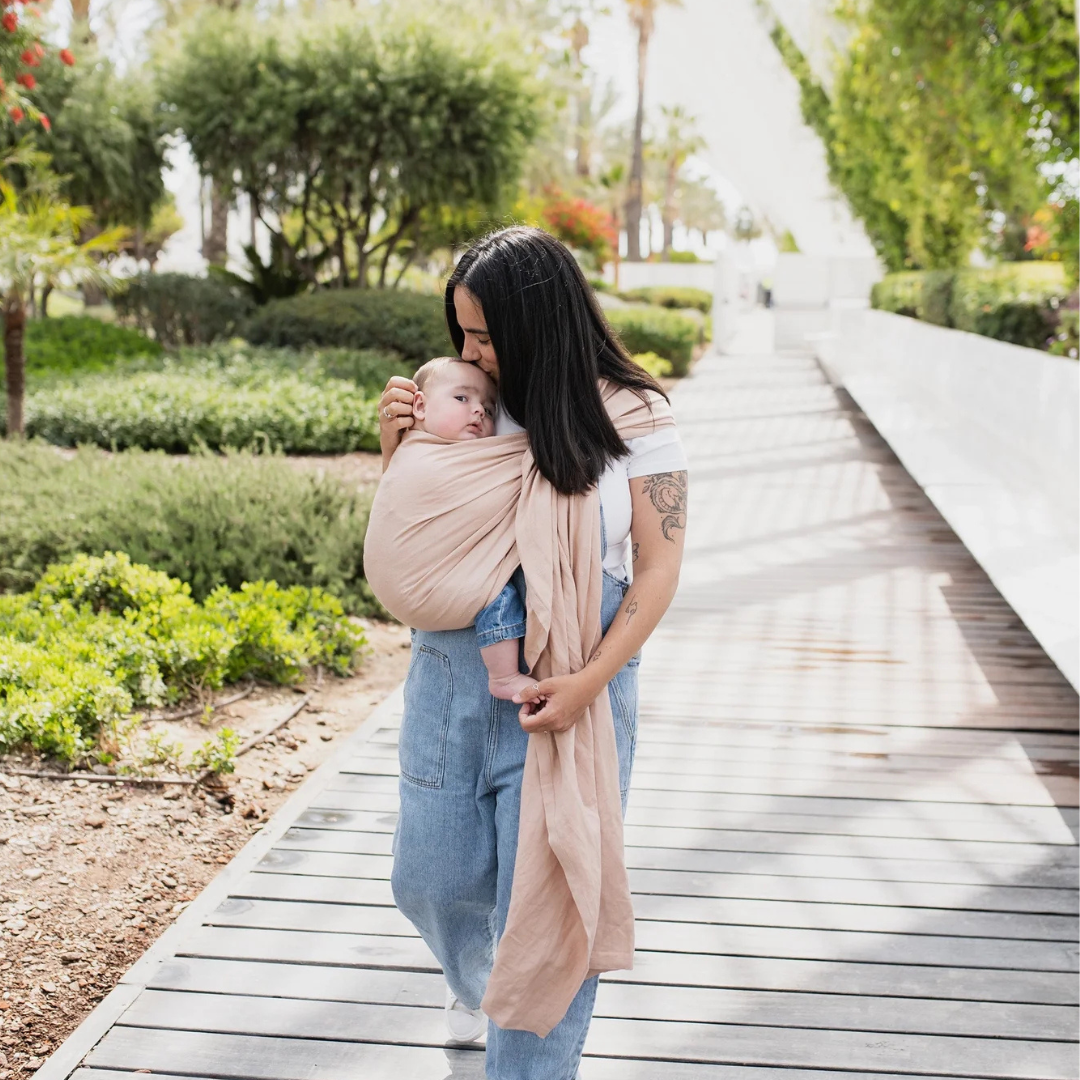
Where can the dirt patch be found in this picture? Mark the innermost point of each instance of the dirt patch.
(92, 873)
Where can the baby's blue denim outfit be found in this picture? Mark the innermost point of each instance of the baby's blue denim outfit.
(462, 754)
(504, 618)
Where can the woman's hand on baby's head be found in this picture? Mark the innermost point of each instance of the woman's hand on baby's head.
(395, 407)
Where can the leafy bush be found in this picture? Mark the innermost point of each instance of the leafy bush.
(78, 343)
(1014, 302)
(206, 520)
(670, 334)
(656, 366)
(367, 368)
(178, 410)
(671, 296)
(101, 635)
(411, 324)
(180, 309)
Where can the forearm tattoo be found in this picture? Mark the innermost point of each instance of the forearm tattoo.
(667, 492)
(631, 611)
(636, 548)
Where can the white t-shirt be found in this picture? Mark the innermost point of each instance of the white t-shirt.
(660, 452)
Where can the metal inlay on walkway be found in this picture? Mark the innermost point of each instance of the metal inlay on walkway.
(850, 833)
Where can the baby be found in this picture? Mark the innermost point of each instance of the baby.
(457, 401)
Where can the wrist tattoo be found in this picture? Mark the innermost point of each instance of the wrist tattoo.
(667, 492)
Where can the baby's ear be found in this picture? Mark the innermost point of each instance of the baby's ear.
(419, 405)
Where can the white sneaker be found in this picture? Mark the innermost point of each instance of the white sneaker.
(465, 1025)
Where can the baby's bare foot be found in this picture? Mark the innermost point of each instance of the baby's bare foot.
(504, 687)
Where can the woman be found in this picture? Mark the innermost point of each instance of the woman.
(518, 306)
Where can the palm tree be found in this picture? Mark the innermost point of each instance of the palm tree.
(38, 246)
(679, 142)
(643, 18)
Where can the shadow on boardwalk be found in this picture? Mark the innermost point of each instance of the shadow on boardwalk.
(849, 829)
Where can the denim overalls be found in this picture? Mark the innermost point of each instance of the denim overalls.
(462, 753)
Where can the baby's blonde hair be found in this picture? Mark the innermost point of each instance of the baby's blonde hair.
(433, 368)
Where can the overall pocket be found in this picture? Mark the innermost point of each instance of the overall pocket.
(426, 718)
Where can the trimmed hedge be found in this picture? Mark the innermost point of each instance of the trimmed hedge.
(208, 520)
(180, 309)
(100, 635)
(73, 344)
(203, 404)
(411, 324)
(669, 334)
(1015, 302)
(671, 296)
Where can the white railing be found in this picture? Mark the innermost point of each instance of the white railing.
(991, 432)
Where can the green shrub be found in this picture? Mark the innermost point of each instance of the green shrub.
(180, 309)
(207, 520)
(179, 409)
(369, 369)
(656, 366)
(70, 648)
(1014, 302)
(669, 334)
(671, 296)
(73, 344)
(411, 324)
(1067, 339)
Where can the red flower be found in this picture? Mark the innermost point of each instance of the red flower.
(26, 80)
(29, 58)
(16, 114)
(68, 57)
(10, 21)
(46, 123)
(39, 49)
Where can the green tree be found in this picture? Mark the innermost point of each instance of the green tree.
(643, 19)
(678, 141)
(354, 129)
(948, 121)
(106, 140)
(39, 245)
(700, 209)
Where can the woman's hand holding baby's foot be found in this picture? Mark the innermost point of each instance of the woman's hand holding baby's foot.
(506, 687)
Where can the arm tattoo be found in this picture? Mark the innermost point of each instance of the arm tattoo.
(636, 547)
(667, 492)
(631, 611)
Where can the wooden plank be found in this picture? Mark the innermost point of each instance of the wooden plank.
(642, 811)
(670, 936)
(754, 912)
(747, 885)
(698, 1004)
(680, 969)
(794, 864)
(706, 839)
(706, 1042)
(245, 1057)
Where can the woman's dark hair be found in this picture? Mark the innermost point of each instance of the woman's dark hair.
(553, 343)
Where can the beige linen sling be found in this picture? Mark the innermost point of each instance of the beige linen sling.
(449, 524)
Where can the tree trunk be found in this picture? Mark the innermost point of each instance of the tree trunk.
(45, 294)
(634, 196)
(14, 362)
(668, 214)
(81, 34)
(216, 244)
(579, 38)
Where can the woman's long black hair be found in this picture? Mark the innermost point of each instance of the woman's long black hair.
(553, 343)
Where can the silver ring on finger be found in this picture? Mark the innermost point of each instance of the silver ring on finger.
(386, 412)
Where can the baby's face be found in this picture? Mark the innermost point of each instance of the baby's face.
(458, 403)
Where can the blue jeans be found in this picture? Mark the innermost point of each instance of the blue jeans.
(504, 618)
(462, 753)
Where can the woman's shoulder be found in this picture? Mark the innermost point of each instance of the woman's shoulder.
(635, 413)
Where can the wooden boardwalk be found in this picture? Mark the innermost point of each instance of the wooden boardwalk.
(850, 833)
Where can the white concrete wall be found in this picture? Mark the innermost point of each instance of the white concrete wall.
(991, 432)
(641, 275)
(807, 287)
